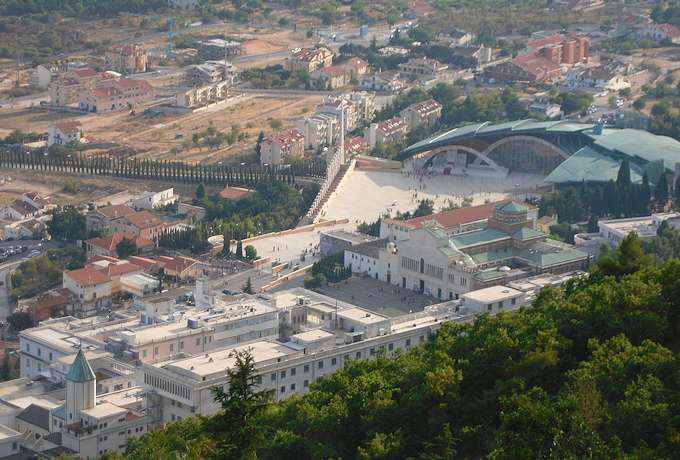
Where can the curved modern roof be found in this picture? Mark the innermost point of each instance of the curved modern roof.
(486, 129)
(604, 149)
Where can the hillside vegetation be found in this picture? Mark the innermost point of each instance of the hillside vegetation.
(591, 371)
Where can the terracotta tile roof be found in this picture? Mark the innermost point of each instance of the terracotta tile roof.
(177, 264)
(87, 276)
(393, 125)
(452, 218)
(110, 243)
(356, 145)
(309, 54)
(536, 65)
(68, 127)
(286, 138)
(543, 42)
(143, 219)
(115, 211)
(356, 62)
(334, 70)
(425, 107)
(106, 91)
(235, 193)
(121, 267)
(85, 72)
(670, 30)
(143, 262)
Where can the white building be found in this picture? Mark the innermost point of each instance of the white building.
(64, 132)
(426, 113)
(41, 77)
(494, 299)
(153, 200)
(319, 130)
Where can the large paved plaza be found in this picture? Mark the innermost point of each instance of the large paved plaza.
(366, 195)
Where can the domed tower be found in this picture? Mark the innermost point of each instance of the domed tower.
(81, 388)
(509, 217)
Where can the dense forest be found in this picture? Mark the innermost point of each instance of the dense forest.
(80, 7)
(589, 371)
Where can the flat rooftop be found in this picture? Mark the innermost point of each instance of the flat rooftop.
(492, 294)
(6, 432)
(312, 336)
(362, 316)
(104, 409)
(643, 226)
(218, 361)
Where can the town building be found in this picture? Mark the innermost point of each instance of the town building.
(183, 4)
(426, 113)
(67, 89)
(319, 130)
(543, 107)
(218, 48)
(277, 148)
(526, 68)
(114, 95)
(141, 223)
(330, 77)
(101, 219)
(90, 291)
(432, 261)
(309, 59)
(422, 69)
(64, 132)
(203, 96)
(153, 200)
(342, 108)
(560, 49)
(127, 59)
(27, 206)
(355, 146)
(604, 78)
(211, 72)
(659, 33)
(336, 241)
(42, 76)
(471, 56)
(384, 82)
(494, 299)
(107, 245)
(455, 37)
(386, 132)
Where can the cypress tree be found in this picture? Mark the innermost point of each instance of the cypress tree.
(661, 191)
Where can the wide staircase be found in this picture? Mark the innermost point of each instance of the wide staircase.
(334, 186)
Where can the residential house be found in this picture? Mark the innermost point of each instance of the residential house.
(107, 246)
(659, 32)
(309, 59)
(386, 82)
(543, 107)
(90, 291)
(202, 96)
(426, 113)
(455, 37)
(29, 204)
(331, 77)
(121, 94)
(66, 90)
(355, 146)
(141, 223)
(356, 67)
(181, 267)
(127, 59)
(101, 218)
(560, 49)
(386, 132)
(600, 78)
(342, 109)
(153, 200)
(64, 132)
(24, 229)
(277, 148)
(527, 68)
(422, 69)
(48, 304)
(471, 56)
(211, 72)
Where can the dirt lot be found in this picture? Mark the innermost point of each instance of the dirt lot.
(29, 120)
(13, 183)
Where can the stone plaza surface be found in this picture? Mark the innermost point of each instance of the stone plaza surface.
(363, 196)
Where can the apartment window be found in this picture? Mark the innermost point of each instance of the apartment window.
(372, 351)
(408, 342)
(198, 341)
(390, 346)
(422, 338)
(155, 350)
(357, 355)
(283, 374)
(293, 372)
(306, 368)
(334, 361)
(500, 304)
(181, 345)
(283, 389)
(292, 387)
(39, 352)
(305, 383)
(273, 376)
(172, 347)
(489, 307)
(320, 364)
(50, 355)
(512, 302)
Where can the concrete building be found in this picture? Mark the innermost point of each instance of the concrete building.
(659, 32)
(601, 78)
(432, 261)
(101, 219)
(141, 223)
(336, 241)
(107, 246)
(127, 59)
(319, 130)
(423, 69)
(203, 96)
(385, 82)
(68, 88)
(64, 132)
(153, 200)
(42, 76)
(342, 108)
(90, 291)
(386, 132)
(455, 37)
(277, 148)
(426, 113)
(494, 299)
(211, 72)
(526, 68)
(309, 59)
(217, 48)
(114, 95)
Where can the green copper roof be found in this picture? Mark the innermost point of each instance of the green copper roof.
(487, 235)
(511, 206)
(589, 165)
(640, 144)
(525, 233)
(80, 369)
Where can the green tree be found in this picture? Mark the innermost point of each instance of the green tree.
(258, 145)
(251, 252)
(67, 223)
(238, 435)
(126, 248)
(248, 287)
(628, 258)
(200, 192)
(661, 191)
(19, 321)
